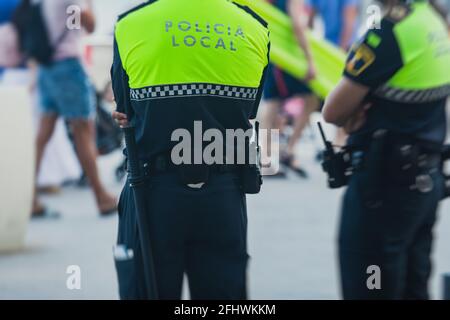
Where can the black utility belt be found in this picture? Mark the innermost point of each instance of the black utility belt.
(426, 161)
(386, 158)
(413, 171)
(193, 175)
(163, 164)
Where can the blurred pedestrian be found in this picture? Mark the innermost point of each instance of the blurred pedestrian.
(280, 86)
(65, 91)
(340, 19)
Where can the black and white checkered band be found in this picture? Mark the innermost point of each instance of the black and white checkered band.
(192, 90)
(413, 96)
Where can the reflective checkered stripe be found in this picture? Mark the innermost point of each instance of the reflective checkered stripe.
(413, 96)
(192, 90)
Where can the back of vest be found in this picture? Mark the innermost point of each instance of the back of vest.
(186, 61)
(196, 41)
(406, 64)
(425, 47)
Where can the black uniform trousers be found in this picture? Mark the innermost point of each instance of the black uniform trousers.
(198, 232)
(396, 237)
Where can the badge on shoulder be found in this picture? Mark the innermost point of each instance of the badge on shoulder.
(360, 59)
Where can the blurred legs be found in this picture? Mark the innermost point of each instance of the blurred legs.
(45, 132)
(84, 138)
(268, 122)
(46, 128)
(311, 105)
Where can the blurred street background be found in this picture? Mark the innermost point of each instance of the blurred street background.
(292, 229)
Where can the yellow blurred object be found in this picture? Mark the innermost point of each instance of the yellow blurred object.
(287, 55)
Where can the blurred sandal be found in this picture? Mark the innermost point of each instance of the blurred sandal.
(289, 161)
(45, 213)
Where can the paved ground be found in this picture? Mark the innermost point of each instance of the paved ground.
(291, 238)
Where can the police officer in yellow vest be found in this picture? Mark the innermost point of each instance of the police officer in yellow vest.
(392, 100)
(182, 68)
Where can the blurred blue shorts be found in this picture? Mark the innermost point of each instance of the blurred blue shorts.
(65, 90)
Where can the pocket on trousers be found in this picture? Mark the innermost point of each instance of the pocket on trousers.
(126, 269)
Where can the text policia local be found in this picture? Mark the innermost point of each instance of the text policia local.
(206, 35)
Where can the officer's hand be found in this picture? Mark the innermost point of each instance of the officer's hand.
(120, 118)
(358, 120)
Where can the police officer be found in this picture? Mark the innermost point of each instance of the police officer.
(178, 64)
(392, 100)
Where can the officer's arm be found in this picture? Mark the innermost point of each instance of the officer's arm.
(371, 63)
(344, 101)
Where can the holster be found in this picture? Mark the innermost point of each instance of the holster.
(251, 179)
(374, 167)
(250, 173)
(398, 160)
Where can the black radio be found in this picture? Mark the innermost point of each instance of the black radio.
(251, 176)
(337, 165)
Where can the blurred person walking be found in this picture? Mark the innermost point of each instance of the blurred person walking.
(281, 86)
(340, 18)
(59, 163)
(65, 91)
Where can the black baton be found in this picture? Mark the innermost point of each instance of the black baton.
(137, 184)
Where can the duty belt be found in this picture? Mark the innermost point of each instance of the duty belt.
(425, 161)
(164, 164)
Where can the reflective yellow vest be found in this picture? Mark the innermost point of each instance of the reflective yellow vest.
(192, 41)
(425, 48)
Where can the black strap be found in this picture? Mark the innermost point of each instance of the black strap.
(60, 38)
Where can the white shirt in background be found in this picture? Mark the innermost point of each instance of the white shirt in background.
(58, 15)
